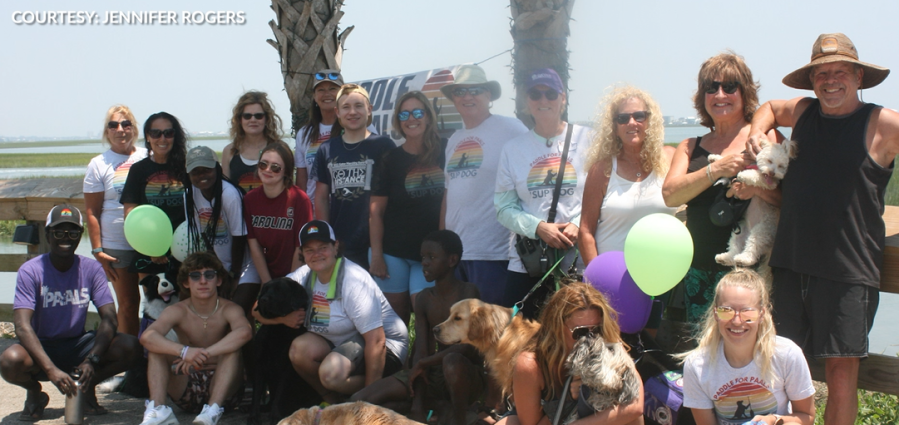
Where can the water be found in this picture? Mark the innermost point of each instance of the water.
(678, 134)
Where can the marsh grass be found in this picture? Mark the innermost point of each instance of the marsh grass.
(26, 160)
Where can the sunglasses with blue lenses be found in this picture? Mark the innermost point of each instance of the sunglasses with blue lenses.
(321, 76)
(416, 113)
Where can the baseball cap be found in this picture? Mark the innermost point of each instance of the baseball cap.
(317, 230)
(327, 76)
(64, 213)
(200, 156)
(548, 77)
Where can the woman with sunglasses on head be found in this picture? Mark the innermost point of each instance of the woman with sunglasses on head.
(325, 85)
(526, 181)
(741, 372)
(103, 183)
(274, 213)
(726, 99)
(254, 125)
(158, 180)
(537, 384)
(344, 168)
(407, 191)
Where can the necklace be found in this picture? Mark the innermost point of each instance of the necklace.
(345, 145)
(207, 317)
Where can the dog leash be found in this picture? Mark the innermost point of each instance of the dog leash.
(516, 308)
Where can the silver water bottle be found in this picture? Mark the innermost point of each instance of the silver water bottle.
(75, 404)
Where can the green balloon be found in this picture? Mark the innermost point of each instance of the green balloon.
(658, 252)
(148, 230)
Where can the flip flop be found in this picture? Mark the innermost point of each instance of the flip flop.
(34, 410)
(92, 407)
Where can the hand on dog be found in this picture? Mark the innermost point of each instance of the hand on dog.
(575, 387)
(294, 320)
(740, 190)
(730, 165)
(555, 236)
(754, 145)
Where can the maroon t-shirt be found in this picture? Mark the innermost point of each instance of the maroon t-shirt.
(275, 224)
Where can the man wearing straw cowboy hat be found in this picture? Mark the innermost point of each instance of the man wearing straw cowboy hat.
(829, 246)
(472, 159)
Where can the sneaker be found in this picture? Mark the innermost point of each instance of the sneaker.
(210, 415)
(158, 415)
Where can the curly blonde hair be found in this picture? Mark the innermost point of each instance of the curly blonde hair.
(548, 343)
(606, 143)
(727, 66)
(709, 336)
(272, 131)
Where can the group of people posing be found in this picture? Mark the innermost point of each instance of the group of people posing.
(375, 232)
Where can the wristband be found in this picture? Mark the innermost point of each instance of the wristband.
(708, 173)
(184, 352)
(97, 250)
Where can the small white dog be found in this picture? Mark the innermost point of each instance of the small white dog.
(754, 237)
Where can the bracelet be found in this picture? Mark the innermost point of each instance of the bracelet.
(184, 352)
(708, 173)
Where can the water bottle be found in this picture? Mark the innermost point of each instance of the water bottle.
(75, 404)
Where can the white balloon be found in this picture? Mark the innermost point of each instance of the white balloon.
(180, 246)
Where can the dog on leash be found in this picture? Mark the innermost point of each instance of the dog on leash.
(754, 237)
(355, 413)
(271, 345)
(607, 372)
(493, 331)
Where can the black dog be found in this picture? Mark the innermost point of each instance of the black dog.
(271, 345)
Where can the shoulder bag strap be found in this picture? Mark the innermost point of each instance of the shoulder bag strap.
(561, 176)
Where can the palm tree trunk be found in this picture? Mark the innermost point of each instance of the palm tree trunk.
(307, 40)
(540, 32)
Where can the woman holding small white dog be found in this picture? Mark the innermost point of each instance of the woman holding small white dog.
(726, 99)
(537, 385)
(741, 372)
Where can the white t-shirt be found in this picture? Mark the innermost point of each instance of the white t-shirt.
(472, 159)
(359, 308)
(107, 173)
(736, 395)
(230, 223)
(304, 155)
(530, 168)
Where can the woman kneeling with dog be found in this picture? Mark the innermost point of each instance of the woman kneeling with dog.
(355, 337)
(574, 320)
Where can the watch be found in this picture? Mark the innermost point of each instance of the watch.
(96, 251)
(94, 359)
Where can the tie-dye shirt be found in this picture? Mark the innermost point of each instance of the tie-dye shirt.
(107, 173)
(736, 395)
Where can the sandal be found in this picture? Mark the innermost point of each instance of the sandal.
(34, 410)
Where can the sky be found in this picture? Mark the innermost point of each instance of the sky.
(59, 80)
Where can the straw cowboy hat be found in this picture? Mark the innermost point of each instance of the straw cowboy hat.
(471, 75)
(835, 47)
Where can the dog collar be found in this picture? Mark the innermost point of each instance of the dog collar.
(752, 167)
(318, 417)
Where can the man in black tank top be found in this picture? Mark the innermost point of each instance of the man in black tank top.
(828, 251)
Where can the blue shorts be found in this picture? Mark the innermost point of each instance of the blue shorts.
(405, 276)
(67, 353)
(488, 276)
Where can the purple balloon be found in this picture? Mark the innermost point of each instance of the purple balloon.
(608, 274)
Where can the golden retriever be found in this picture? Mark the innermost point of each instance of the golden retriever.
(355, 413)
(493, 331)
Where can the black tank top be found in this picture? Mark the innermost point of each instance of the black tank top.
(243, 175)
(831, 223)
(708, 239)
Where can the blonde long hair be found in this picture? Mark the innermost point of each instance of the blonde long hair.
(548, 343)
(606, 143)
(709, 337)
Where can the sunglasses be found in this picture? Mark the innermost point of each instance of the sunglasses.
(639, 116)
(321, 76)
(582, 331)
(474, 91)
(71, 234)
(415, 113)
(266, 166)
(729, 87)
(168, 133)
(112, 125)
(726, 314)
(258, 115)
(536, 94)
(208, 274)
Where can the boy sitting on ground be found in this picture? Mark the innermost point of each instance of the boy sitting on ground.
(203, 371)
(439, 372)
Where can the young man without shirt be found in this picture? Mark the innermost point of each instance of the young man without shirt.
(203, 371)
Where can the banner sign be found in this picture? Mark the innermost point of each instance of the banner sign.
(384, 93)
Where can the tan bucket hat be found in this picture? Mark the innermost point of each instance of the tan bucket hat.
(471, 75)
(835, 47)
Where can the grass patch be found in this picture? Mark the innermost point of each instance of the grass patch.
(8, 227)
(892, 191)
(26, 160)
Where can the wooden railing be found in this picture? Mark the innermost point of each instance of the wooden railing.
(32, 199)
